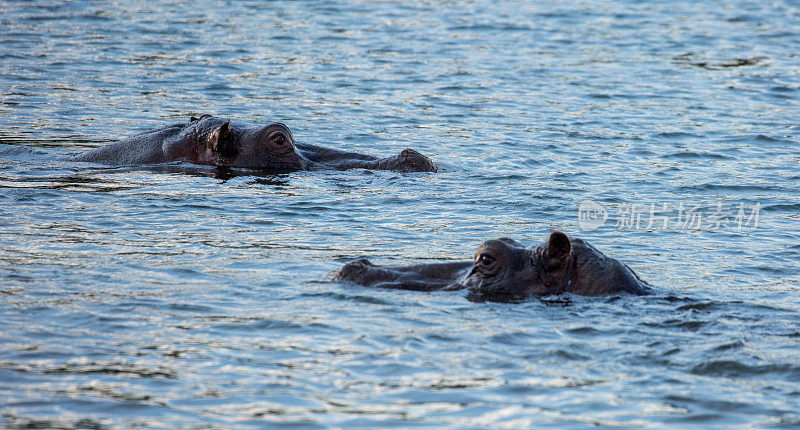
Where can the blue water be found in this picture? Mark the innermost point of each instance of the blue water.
(174, 297)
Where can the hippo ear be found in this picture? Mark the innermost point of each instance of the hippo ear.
(221, 141)
(557, 249)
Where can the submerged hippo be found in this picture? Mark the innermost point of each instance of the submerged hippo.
(504, 271)
(215, 141)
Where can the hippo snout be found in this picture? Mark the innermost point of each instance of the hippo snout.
(353, 271)
(410, 160)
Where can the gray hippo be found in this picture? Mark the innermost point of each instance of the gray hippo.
(504, 271)
(215, 141)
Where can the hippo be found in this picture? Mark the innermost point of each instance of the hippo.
(505, 271)
(214, 141)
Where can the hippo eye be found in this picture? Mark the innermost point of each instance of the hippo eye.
(485, 259)
(279, 138)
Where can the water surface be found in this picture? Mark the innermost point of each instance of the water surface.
(178, 297)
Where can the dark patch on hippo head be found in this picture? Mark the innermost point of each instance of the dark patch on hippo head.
(222, 142)
(269, 147)
(504, 271)
(556, 252)
(353, 271)
(410, 160)
(205, 140)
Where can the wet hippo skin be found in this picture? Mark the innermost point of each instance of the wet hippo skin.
(505, 271)
(216, 141)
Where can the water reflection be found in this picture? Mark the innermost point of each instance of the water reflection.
(181, 296)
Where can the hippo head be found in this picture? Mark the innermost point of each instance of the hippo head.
(269, 147)
(213, 141)
(409, 160)
(504, 271)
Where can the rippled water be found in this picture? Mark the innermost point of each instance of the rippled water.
(176, 297)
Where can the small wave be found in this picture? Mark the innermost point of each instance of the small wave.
(735, 369)
(728, 346)
(253, 324)
(791, 207)
(7, 150)
(690, 325)
(440, 337)
(673, 135)
(584, 331)
(765, 138)
(515, 338)
(350, 298)
(701, 306)
(114, 369)
(562, 354)
(692, 60)
(761, 138)
(774, 270)
(688, 155)
(733, 188)
(189, 307)
(77, 183)
(784, 89)
(19, 422)
(492, 27)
